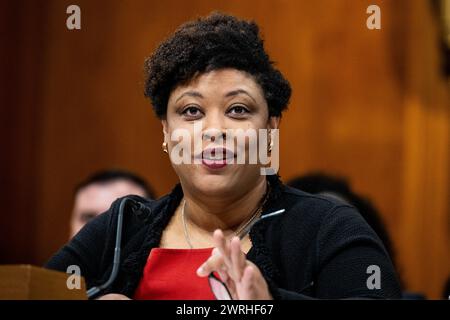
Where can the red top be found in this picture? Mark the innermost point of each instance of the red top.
(171, 274)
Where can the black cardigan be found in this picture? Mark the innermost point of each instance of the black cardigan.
(318, 248)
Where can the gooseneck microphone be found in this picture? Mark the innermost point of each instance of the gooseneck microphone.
(137, 207)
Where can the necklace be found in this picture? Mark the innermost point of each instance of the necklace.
(243, 229)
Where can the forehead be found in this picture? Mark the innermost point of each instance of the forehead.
(220, 81)
(98, 197)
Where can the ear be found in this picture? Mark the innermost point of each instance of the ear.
(273, 123)
(165, 129)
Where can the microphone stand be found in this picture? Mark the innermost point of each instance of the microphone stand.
(116, 261)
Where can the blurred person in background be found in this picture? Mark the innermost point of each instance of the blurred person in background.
(97, 192)
(339, 189)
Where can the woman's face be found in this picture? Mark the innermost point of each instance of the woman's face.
(217, 104)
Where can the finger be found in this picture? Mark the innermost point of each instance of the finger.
(231, 285)
(213, 263)
(247, 284)
(223, 275)
(222, 270)
(237, 258)
(113, 296)
(221, 243)
(215, 252)
(223, 246)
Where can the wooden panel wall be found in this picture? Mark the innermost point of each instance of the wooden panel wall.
(369, 105)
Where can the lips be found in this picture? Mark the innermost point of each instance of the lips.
(216, 158)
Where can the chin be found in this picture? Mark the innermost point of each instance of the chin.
(214, 184)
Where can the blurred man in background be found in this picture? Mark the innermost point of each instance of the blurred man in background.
(95, 194)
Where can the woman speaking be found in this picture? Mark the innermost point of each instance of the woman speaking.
(227, 230)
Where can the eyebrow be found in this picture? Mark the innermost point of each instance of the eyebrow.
(89, 214)
(239, 91)
(229, 94)
(191, 94)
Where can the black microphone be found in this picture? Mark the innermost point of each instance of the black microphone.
(140, 209)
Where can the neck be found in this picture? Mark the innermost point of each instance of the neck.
(224, 212)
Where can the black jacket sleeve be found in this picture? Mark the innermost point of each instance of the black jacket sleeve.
(350, 259)
(84, 249)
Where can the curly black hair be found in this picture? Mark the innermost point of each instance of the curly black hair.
(214, 42)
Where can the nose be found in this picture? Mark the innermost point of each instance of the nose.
(213, 134)
(214, 127)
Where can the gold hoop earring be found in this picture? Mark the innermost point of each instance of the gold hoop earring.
(164, 147)
(271, 142)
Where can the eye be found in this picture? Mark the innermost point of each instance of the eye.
(192, 112)
(238, 111)
(86, 217)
